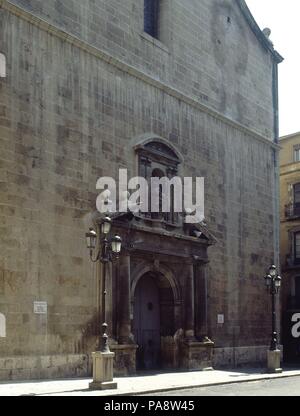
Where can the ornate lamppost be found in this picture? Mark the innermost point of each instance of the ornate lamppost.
(273, 284)
(109, 249)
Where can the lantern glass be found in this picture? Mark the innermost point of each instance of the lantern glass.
(272, 271)
(91, 239)
(277, 281)
(106, 225)
(116, 244)
(268, 280)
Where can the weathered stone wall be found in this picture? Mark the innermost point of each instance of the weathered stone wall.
(67, 117)
(206, 49)
(45, 367)
(240, 356)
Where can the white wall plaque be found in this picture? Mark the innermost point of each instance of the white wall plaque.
(2, 66)
(40, 308)
(221, 319)
(2, 326)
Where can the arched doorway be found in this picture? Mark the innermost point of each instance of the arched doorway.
(153, 320)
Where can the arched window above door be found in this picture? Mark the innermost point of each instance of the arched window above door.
(157, 153)
(158, 159)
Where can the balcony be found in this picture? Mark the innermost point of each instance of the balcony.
(292, 211)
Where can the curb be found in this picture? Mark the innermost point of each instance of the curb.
(209, 384)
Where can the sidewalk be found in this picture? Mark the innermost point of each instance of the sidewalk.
(140, 384)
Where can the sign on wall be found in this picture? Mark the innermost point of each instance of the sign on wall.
(2, 65)
(40, 308)
(2, 326)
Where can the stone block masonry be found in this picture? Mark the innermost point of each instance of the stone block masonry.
(82, 84)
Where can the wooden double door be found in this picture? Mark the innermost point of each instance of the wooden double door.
(146, 325)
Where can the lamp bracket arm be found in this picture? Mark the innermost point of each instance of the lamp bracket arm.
(91, 256)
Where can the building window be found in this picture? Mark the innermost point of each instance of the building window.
(297, 247)
(297, 153)
(297, 199)
(2, 65)
(151, 15)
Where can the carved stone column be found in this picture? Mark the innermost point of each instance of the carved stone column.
(195, 355)
(125, 335)
(125, 350)
(190, 304)
(201, 306)
(145, 172)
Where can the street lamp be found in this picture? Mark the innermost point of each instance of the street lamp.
(273, 284)
(108, 250)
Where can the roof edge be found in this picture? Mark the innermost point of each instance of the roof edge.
(258, 32)
(289, 136)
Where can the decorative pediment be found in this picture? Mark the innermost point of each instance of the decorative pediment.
(161, 149)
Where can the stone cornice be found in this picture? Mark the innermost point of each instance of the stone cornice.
(123, 66)
(162, 233)
(289, 169)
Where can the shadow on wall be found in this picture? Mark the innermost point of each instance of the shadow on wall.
(2, 326)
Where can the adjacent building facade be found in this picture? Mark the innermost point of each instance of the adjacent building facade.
(290, 242)
(186, 88)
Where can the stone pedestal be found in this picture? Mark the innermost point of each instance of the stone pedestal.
(274, 358)
(197, 355)
(125, 359)
(103, 371)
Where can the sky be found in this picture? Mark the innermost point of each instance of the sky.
(282, 17)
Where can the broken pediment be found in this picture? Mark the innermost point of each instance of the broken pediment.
(201, 231)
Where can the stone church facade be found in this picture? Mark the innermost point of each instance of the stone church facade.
(87, 88)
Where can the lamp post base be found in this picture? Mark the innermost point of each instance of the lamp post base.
(103, 386)
(103, 371)
(274, 359)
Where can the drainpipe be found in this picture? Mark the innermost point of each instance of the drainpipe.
(276, 163)
(276, 171)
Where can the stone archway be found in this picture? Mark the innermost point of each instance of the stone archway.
(154, 321)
